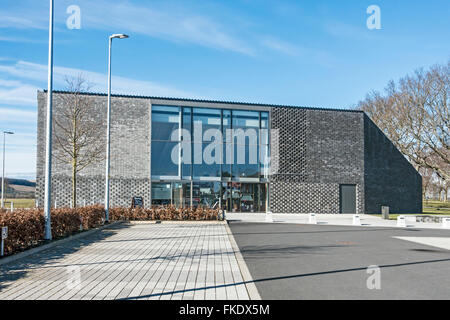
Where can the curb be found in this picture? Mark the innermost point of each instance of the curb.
(174, 221)
(246, 276)
(55, 243)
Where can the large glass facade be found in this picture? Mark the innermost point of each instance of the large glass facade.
(210, 157)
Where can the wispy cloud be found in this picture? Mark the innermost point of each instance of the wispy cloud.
(168, 23)
(280, 46)
(345, 30)
(173, 23)
(18, 93)
(7, 113)
(318, 56)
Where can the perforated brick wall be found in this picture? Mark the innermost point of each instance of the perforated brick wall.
(318, 151)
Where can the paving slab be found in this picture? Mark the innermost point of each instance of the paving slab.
(176, 260)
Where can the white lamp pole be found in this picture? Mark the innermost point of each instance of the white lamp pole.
(108, 125)
(3, 174)
(48, 139)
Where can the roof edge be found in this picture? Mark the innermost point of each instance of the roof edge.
(209, 101)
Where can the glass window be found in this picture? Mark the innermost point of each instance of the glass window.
(245, 119)
(175, 193)
(226, 123)
(227, 160)
(265, 161)
(206, 194)
(187, 119)
(248, 166)
(208, 167)
(162, 164)
(165, 120)
(208, 118)
(161, 194)
(264, 120)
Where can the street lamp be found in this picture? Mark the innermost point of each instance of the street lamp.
(3, 175)
(48, 130)
(108, 125)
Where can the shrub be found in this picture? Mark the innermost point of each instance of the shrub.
(92, 216)
(26, 226)
(65, 221)
(162, 213)
(25, 229)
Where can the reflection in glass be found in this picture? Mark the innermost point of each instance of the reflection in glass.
(165, 120)
(162, 164)
(206, 194)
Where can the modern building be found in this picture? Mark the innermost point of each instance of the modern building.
(321, 160)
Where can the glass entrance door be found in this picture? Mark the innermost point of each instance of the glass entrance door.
(244, 197)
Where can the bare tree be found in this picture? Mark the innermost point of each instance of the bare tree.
(415, 115)
(77, 134)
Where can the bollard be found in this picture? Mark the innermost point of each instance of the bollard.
(401, 221)
(12, 206)
(269, 217)
(356, 220)
(385, 212)
(312, 218)
(446, 223)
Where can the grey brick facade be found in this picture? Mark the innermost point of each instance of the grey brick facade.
(130, 155)
(318, 150)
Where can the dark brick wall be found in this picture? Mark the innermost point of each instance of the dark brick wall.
(318, 150)
(390, 180)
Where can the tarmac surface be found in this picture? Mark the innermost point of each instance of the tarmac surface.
(300, 261)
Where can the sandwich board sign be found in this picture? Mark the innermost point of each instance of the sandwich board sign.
(137, 202)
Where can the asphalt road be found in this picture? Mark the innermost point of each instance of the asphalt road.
(292, 261)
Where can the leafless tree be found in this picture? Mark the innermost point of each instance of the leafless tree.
(414, 114)
(77, 137)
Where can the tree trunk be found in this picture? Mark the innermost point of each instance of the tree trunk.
(74, 184)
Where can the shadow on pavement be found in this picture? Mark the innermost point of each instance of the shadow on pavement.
(18, 269)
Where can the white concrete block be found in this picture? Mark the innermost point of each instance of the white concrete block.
(446, 223)
(356, 220)
(312, 218)
(269, 217)
(401, 221)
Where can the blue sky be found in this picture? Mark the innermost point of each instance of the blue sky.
(306, 53)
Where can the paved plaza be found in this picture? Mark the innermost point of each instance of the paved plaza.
(189, 260)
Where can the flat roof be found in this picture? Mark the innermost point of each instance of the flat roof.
(188, 100)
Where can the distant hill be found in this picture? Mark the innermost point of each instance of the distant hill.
(19, 188)
(20, 182)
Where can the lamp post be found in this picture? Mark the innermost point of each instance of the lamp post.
(48, 138)
(3, 174)
(108, 124)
